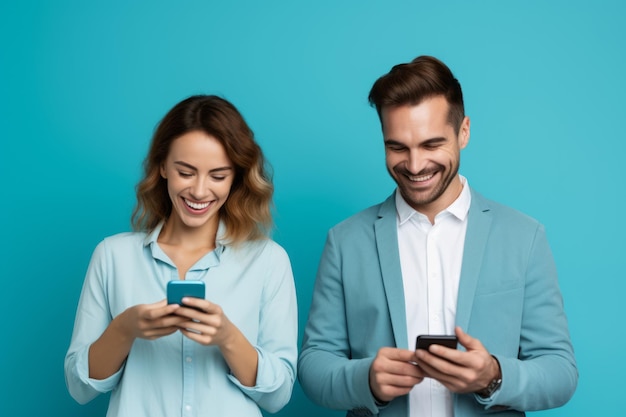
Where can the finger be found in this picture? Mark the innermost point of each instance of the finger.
(467, 341)
(387, 386)
(400, 369)
(198, 303)
(171, 320)
(190, 312)
(400, 386)
(449, 381)
(448, 354)
(159, 332)
(161, 303)
(395, 354)
(435, 364)
(197, 337)
(198, 327)
(386, 362)
(158, 310)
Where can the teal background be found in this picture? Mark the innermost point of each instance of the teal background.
(83, 84)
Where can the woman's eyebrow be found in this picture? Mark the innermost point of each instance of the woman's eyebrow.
(186, 165)
(189, 166)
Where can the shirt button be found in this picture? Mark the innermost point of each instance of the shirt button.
(188, 407)
(188, 359)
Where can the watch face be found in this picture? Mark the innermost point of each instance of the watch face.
(493, 387)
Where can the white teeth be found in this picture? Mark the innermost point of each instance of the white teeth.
(422, 178)
(197, 206)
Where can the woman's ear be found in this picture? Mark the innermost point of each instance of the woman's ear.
(162, 169)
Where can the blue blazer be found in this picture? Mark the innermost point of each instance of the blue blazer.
(508, 298)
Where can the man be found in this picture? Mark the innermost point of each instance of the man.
(435, 258)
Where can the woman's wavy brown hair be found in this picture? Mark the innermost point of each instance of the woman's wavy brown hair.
(247, 211)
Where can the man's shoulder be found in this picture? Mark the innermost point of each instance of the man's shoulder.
(367, 215)
(502, 212)
(365, 219)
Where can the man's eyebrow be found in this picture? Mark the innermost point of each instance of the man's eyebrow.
(433, 141)
(193, 168)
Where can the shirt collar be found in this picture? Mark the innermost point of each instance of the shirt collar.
(459, 207)
(152, 237)
(151, 240)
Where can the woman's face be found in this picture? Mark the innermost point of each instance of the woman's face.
(199, 175)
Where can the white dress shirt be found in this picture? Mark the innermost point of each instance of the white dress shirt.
(431, 256)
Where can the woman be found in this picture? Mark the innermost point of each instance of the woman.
(203, 213)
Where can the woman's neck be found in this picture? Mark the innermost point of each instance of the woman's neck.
(176, 233)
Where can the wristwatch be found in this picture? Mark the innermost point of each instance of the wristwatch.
(491, 388)
(493, 385)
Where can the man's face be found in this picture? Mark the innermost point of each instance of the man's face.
(422, 151)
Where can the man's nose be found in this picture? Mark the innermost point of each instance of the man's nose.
(416, 161)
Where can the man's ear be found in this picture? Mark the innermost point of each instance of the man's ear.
(464, 133)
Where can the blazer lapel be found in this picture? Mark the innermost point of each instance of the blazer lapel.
(385, 229)
(478, 225)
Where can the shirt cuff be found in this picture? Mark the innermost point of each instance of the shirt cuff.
(100, 385)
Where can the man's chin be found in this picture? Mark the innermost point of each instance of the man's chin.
(416, 199)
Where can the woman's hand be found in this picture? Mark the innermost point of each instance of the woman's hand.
(207, 324)
(145, 321)
(149, 321)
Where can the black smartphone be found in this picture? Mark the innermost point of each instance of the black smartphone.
(425, 340)
(177, 289)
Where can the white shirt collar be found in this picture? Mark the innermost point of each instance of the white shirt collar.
(459, 207)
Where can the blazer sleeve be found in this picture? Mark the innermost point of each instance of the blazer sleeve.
(544, 375)
(327, 373)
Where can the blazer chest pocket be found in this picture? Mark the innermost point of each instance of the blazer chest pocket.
(501, 282)
(496, 320)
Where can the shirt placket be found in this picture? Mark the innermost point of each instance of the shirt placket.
(434, 274)
(187, 357)
(436, 322)
(188, 377)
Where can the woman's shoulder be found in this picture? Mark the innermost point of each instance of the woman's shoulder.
(265, 247)
(124, 241)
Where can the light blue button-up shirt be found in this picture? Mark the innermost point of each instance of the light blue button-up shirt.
(173, 375)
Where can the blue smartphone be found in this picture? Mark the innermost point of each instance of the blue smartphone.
(177, 289)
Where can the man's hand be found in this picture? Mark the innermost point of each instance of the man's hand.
(394, 373)
(460, 372)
